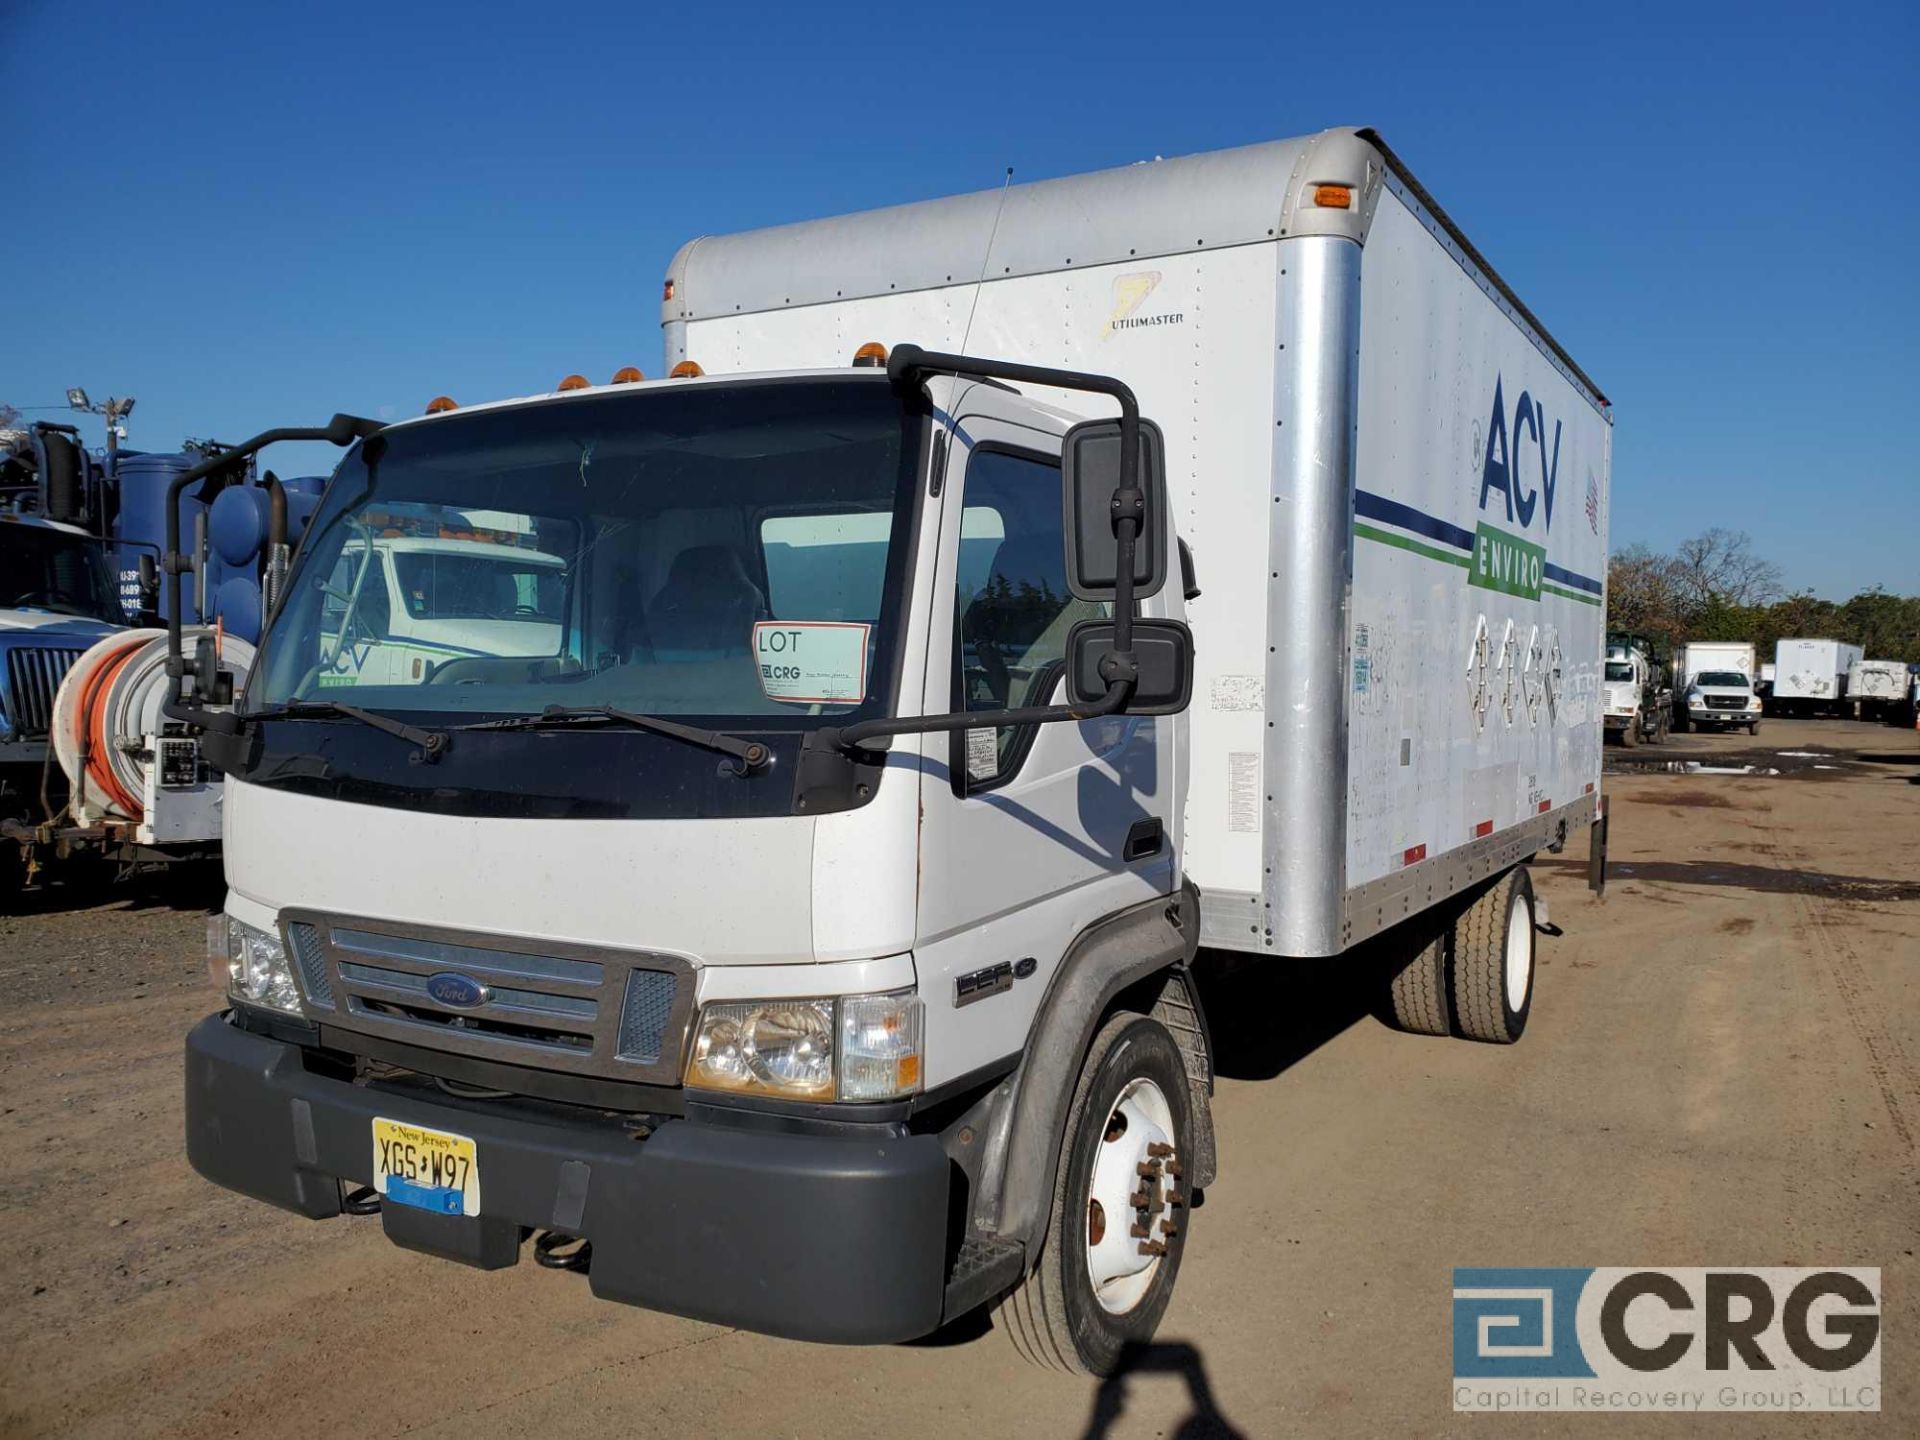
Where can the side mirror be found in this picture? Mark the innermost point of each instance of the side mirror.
(1089, 475)
(1163, 649)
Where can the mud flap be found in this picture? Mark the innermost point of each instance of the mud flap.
(1597, 856)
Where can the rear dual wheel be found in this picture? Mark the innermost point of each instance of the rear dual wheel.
(1118, 1226)
(1474, 977)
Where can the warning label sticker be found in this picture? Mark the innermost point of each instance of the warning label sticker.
(1243, 792)
(812, 662)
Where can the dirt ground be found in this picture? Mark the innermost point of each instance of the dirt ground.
(1720, 1069)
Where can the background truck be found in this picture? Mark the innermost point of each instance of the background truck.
(57, 598)
(1878, 689)
(1714, 684)
(127, 786)
(1636, 700)
(805, 941)
(1810, 676)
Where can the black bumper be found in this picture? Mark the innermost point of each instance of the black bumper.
(834, 1238)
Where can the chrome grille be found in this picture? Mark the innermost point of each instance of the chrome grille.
(311, 957)
(644, 1015)
(586, 1010)
(1726, 702)
(34, 673)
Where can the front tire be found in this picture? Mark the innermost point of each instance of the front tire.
(1630, 736)
(1493, 961)
(1108, 1264)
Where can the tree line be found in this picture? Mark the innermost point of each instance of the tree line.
(1716, 587)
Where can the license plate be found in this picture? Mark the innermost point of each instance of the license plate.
(427, 1169)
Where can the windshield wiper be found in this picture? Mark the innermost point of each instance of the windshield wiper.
(433, 743)
(752, 755)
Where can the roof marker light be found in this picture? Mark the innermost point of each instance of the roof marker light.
(627, 375)
(574, 382)
(440, 404)
(870, 356)
(686, 370)
(1333, 197)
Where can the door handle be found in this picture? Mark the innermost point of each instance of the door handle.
(1143, 839)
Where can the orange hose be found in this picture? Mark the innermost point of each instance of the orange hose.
(90, 724)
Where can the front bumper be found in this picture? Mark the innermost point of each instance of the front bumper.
(1714, 715)
(1618, 722)
(839, 1237)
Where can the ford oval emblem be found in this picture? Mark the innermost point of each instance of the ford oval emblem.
(451, 988)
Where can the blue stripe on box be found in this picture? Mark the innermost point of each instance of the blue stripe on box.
(436, 1198)
(1392, 512)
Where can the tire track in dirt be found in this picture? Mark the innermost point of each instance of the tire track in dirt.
(1887, 1061)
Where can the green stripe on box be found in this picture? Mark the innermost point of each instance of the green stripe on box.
(1401, 542)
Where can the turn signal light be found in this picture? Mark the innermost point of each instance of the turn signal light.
(686, 370)
(573, 382)
(870, 356)
(627, 375)
(440, 404)
(1333, 197)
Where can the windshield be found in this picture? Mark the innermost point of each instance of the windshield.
(57, 571)
(1619, 670)
(733, 552)
(1732, 679)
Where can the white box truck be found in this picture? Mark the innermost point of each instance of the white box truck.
(1206, 552)
(1810, 676)
(1714, 685)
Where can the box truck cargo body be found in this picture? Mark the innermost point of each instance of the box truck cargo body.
(1004, 597)
(1811, 675)
(1877, 688)
(1393, 481)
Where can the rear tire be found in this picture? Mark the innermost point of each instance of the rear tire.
(1420, 1003)
(1131, 1099)
(1493, 961)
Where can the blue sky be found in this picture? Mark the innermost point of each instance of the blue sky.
(257, 214)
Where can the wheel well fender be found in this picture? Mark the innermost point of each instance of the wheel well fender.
(1135, 959)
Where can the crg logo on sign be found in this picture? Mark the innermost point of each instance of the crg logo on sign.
(1768, 1338)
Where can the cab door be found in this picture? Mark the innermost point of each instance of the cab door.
(1029, 834)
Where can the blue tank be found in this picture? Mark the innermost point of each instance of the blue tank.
(142, 526)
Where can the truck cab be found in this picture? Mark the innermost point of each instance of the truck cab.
(636, 886)
(1722, 699)
(57, 596)
(1636, 705)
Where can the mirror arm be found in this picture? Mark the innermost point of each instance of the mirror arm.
(341, 430)
(1119, 668)
(854, 737)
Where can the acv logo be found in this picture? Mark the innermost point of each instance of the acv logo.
(1508, 458)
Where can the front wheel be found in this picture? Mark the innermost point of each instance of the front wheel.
(1119, 1220)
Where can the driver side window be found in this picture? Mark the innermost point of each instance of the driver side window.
(1013, 610)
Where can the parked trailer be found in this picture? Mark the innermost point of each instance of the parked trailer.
(884, 1012)
(1878, 689)
(1810, 676)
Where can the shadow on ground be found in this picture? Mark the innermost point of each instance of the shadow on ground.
(1769, 880)
(1175, 1358)
(87, 885)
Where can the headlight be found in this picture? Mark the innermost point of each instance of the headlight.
(860, 1047)
(256, 968)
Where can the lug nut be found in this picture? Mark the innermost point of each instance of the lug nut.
(1159, 1149)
